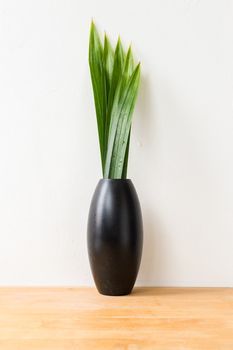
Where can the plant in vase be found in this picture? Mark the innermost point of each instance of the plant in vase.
(115, 220)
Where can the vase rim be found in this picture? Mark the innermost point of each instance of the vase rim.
(108, 179)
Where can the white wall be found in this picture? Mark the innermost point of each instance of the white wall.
(181, 158)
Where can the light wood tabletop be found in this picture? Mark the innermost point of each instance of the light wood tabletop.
(149, 318)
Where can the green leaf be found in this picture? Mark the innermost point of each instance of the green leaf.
(127, 72)
(122, 108)
(118, 64)
(99, 85)
(126, 115)
(108, 62)
(108, 58)
(124, 171)
(115, 83)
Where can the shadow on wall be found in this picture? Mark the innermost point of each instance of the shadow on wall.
(154, 257)
(143, 123)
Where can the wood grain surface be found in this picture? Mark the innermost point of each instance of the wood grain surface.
(149, 318)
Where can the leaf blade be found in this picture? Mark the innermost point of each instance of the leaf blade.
(118, 64)
(123, 107)
(108, 58)
(98, 84)
(127, 72)
(125, 166)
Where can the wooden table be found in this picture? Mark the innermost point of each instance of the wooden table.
(150, 318)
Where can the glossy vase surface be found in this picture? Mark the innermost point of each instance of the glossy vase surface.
(115, 236)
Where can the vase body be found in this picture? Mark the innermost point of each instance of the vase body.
(115, 236)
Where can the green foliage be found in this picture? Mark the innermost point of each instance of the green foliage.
(115, 81)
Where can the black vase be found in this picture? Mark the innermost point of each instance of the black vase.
(115, 236)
